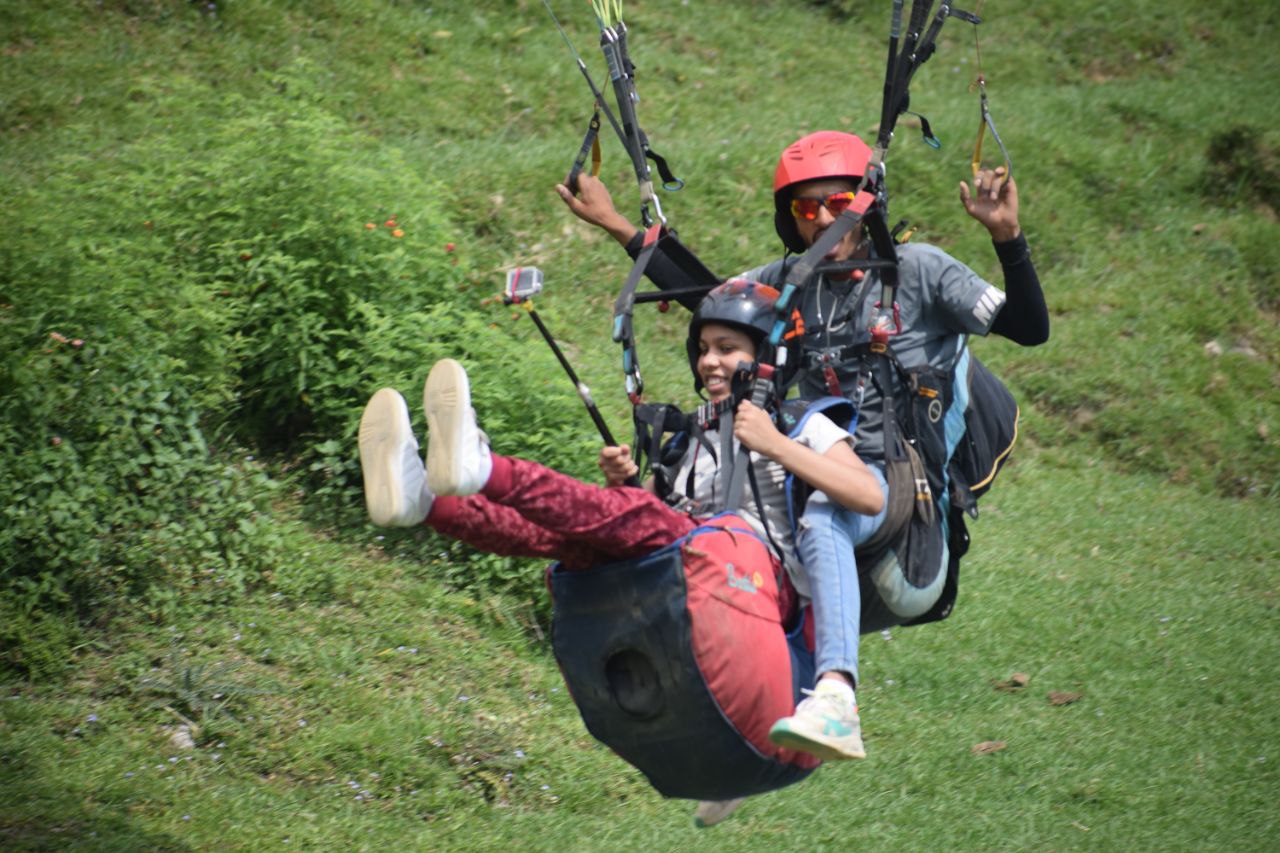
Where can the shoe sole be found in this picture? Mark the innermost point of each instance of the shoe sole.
(710, 813)
(446, 398)
(384, 428)
(791, 739)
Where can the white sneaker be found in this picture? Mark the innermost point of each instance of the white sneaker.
(395, 484)
(825, 724)
(711, 812)
(458, 460)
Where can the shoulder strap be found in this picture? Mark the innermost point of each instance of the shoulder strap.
(839, 410)
(803, 269)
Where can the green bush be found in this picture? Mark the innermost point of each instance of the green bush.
(303, 230)
(218, 283)
(110, 490)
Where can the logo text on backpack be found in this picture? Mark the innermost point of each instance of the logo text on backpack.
(746, 584)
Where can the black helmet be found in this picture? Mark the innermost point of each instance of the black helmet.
(742, 304)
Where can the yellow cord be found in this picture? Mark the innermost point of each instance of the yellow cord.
(608, 12)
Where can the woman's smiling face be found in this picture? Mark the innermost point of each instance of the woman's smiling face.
(720, 350)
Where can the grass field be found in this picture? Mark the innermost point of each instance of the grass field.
(399, 715)
(383, 690)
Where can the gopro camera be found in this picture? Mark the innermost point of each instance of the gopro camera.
(522, 283)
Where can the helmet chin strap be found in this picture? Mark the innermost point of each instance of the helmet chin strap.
(862, 249)
(844, 270)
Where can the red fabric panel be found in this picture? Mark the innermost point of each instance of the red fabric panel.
(737, 633)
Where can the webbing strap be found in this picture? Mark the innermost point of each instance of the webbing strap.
(652, 422)
(623, 308)
(902, 71)
(625, 302)
(590, 144)
(802, 270)
(918, 45)
(887, 103)
(729, 463)
(761, 390)
(669, 180)
(613, 43)
(886, 249)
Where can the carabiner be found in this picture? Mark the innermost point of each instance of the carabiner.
(984, 122)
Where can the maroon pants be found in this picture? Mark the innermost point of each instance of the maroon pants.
(529, 510)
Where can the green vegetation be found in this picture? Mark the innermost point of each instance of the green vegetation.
(204, 645)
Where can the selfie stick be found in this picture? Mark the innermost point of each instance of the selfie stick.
(522, 284)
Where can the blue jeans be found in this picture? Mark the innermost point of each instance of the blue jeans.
(825, 539)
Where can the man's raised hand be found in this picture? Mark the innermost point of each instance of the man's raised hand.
(993, 201)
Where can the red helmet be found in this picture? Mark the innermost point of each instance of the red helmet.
(818, 156)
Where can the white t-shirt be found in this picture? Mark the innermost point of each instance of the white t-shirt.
(819, 434)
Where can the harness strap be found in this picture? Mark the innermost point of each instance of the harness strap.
(729, 463)
(886, 249)
(802, 270)
(623, 328)
(762, 389)
(613, 43)
(651, 423)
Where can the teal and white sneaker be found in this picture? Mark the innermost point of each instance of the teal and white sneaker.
(458, 460)
(711, 812)
(825, 724)
(395, 484)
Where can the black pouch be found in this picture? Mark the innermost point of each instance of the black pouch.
(991, 430)
(929, 394)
